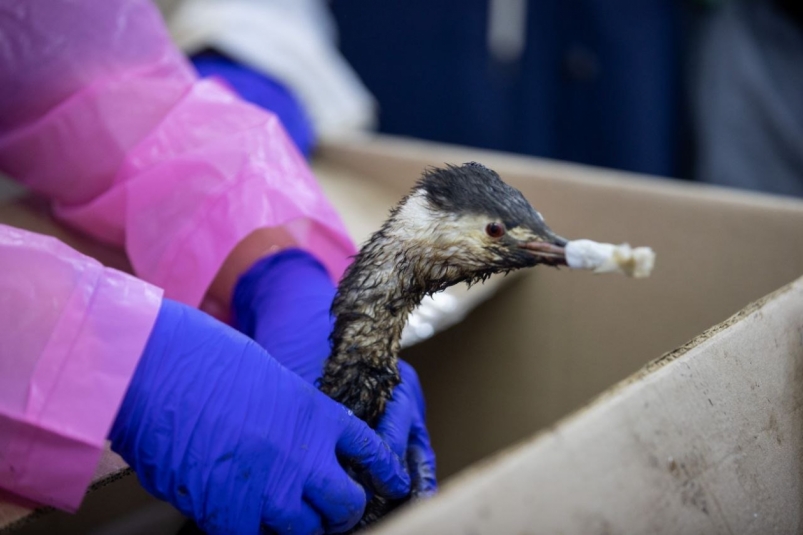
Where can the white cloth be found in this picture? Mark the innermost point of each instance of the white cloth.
(293, 41)
(609, 258)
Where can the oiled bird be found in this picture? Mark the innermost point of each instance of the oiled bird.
(458, 224)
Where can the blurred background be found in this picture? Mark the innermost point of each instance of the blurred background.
(706, 90)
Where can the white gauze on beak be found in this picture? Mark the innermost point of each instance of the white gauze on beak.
(609, 258)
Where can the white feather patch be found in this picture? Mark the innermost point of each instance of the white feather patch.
(449, 233)
(416, 214)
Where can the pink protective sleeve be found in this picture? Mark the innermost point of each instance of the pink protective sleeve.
(73, 332)
(100, 112)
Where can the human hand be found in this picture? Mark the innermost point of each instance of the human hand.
(404, 429)
(283, 302)
(214, 425)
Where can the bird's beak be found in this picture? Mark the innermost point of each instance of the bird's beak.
(549, 251)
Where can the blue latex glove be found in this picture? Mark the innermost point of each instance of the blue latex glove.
(214, 425)
(261, 90)
(283, 302)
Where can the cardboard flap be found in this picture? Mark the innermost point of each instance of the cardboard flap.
(708, 439)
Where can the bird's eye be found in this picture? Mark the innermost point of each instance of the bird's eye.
(495, 230)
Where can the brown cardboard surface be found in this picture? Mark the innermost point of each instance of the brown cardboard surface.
(705, 441)
(550, 340)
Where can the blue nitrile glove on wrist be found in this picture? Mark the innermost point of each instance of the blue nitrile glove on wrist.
(260, 89)
(214, 425)
(283, 303)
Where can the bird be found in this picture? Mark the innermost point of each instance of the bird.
(458, 224)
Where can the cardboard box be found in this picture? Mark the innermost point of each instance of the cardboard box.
(706, 439)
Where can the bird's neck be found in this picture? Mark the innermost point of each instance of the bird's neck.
(374, 299)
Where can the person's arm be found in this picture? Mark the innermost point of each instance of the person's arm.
(207, 419)
(101, 112)
(261, 89)
(73, 332)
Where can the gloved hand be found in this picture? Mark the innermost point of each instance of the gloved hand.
(404, 429)
(283, 303)
(214, 425)
(260, 89)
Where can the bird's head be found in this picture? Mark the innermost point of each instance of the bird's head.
(463, 223)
